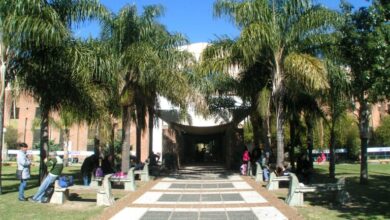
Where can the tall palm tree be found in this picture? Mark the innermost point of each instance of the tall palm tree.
(53, 64)
(284, 30)
(149, 64)
(337, 99)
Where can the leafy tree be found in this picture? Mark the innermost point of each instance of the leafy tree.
(364, 46)
(11, 137)
(382, 133)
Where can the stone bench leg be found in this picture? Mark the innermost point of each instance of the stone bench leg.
(94, 183)
(259, 176)
(145, 177)
(102, 199)
(273, 185)
(129, 186)
(59, 196)
(295, 199)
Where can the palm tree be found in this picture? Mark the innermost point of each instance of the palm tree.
(284, 30)
(337, 99)
(53, 64)
(149, 64)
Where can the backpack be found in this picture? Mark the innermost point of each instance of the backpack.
(65, 181)
(246, 157)
(99, 172)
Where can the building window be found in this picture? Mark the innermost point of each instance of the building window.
(38, 112)
(36, 138)
(14, 113)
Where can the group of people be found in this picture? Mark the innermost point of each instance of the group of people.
(54, 164)
(256, 156)
(303, 169)
(97, 166)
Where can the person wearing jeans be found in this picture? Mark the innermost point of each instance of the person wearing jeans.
(23, 172)
(56, 164)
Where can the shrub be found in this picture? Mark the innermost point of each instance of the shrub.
(382, 133)
(11, 137)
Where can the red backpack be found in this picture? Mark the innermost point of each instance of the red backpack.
(245, 156)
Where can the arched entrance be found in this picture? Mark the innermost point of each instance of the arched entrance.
(203, 148)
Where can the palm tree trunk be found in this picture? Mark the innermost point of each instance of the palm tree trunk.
(44, 144)
(256, 122)
(279, 134)
(293, 139)
(310, 140)
(277, 94)
(364, 116)
(66, 146)
(332, 146)
(126, 125)
(112, 140)
(266, 136)
(138, 142)
(2, 103)
(96, 141)
(3, 70)
(150, 126)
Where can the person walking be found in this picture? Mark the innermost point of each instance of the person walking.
(23, 171)
(56, 164)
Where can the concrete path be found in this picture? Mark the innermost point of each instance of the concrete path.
(204, 193)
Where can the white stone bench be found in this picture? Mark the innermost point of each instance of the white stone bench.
(273, 183)
(104, 195)
(128, 182)
(296, 191)
(144, 173)
(259, 173)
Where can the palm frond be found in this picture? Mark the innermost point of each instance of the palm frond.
(307, 70)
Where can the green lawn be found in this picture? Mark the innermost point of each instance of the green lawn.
(366, 202)
(11, 208)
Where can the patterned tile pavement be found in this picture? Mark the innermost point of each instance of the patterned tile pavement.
(199, 194)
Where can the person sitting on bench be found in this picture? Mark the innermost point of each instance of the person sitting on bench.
(56, 164)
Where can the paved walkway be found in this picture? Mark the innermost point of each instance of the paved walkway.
(203, 193)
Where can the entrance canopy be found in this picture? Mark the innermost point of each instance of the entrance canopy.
(210, 130)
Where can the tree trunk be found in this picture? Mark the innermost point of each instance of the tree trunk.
(96, 141)
(150, 126)
(126, 125)
(322, 142)
(279, 134)
(293, 141)
(66, 147)
(266, 135)
(364, 117)
(256, 122)
(3, 69)
(278, 94)
(2, 103)
(138, 142)
(112, 140)
(332, 146)
(310, 140)
(44, 144)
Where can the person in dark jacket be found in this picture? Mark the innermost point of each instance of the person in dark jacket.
(89, 165)
(107, 165)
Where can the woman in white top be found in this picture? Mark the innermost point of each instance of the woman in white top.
(23, 172)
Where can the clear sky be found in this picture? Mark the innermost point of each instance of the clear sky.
(193, 18)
